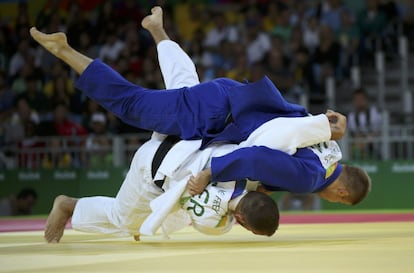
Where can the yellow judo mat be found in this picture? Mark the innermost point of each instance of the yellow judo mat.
(351, 247)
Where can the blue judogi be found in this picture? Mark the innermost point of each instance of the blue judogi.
(222, 110)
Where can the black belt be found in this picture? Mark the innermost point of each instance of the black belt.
(159, 156)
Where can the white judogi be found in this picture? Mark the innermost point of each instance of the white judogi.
(175, 208)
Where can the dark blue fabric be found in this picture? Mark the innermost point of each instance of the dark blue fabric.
(276, 170)
(190, 112)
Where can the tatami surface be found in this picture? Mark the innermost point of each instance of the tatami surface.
(347, 247)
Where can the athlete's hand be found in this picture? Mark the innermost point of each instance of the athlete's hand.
(197, 184)
(338, 124)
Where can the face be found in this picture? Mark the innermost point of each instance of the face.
(60, 113)
(99, 127)
(360, 101)
(26, 205)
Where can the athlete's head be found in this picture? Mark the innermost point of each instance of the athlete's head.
(350, 188)
(25, 201)
(258, 213)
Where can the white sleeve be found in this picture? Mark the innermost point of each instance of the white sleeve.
(288, 134)
(177, 68)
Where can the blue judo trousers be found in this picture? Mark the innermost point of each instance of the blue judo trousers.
(219, 110)
(222, 110)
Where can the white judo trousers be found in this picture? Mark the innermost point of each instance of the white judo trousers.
(124, 214)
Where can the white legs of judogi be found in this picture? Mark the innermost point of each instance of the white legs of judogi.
(177, 69)
(123, 214)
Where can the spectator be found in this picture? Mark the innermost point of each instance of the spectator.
(348, 36)
(372, 22)
(295, 42)
(18, 59)
(22, 204)
(302, 70)
(106, 18)
(195, 47)
(14, 127)
(86, 46)
(217, 40)
(325, 58)
(240, 71)
(270, 20)
(34, 96)
(133, 53)
(112, 47)
(28, 70)
(6, 98)
(283, 27)
(257, 71)
(98, 144)
(364, 123)
(277, 69)
(300, 11)
(331, 14)
(90, 108)
(61, 89)
(188, 17)
(77, 22)
(221, 31)
(311, 34)
(62, 125)
(257, 43)
(29, 154)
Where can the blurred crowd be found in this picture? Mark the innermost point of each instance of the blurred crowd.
(297, 44)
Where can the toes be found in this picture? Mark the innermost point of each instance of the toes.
(155, 9)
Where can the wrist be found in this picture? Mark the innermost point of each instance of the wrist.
(207, 173)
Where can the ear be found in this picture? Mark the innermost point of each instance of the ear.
(239, 218)
(342, 192)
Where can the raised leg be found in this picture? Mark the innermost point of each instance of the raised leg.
(177, 68)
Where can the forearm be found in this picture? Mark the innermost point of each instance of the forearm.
(288, 134)
(274, 169)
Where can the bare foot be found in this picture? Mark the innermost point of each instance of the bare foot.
(153, 22)
(61, 212)
(54, 43)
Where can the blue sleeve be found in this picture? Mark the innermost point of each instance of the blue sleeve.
(276, 170)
